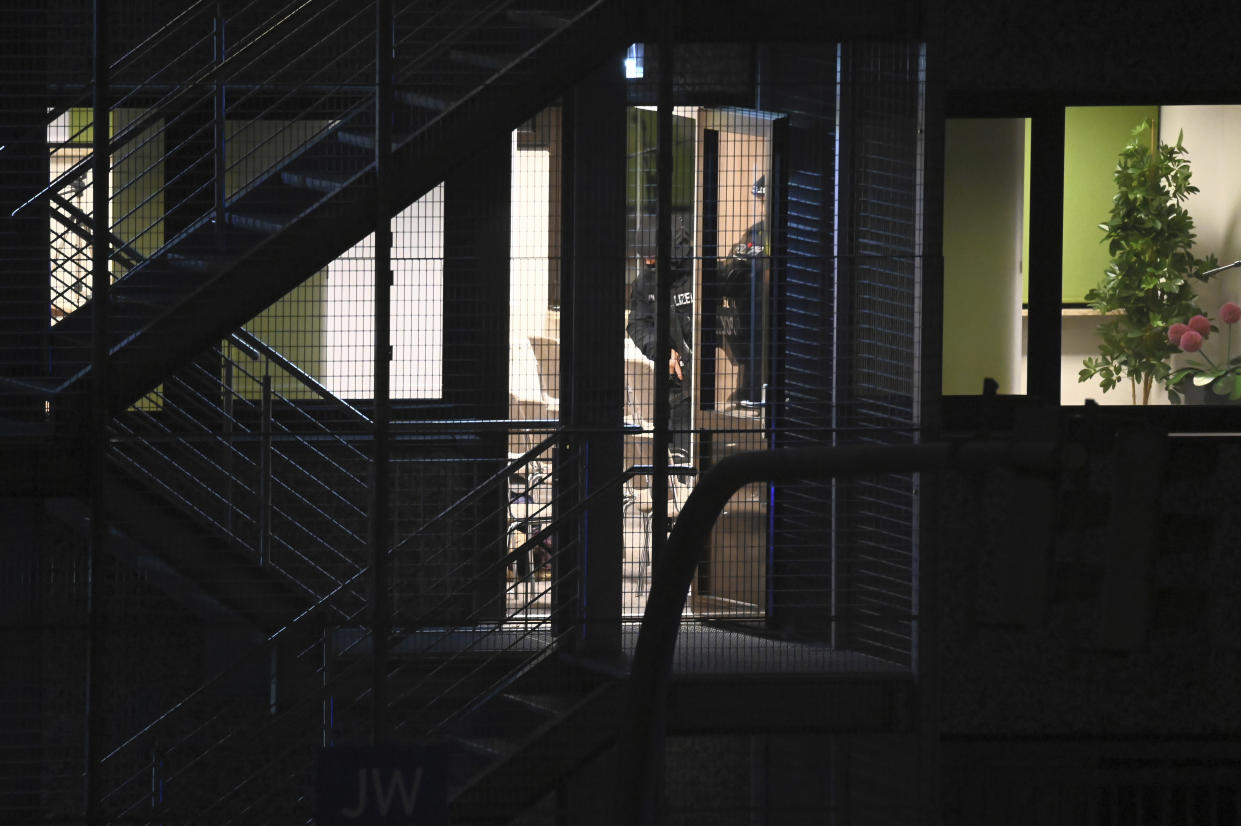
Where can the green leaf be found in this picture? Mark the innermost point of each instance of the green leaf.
(1179, 375)
(1203, 379)
(1236, 388)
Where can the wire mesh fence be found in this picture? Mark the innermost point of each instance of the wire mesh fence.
(241, 480)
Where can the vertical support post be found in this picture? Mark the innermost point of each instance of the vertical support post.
(328, 671)
(155, 781)
(226, 432)
(1046, 252)
(663, 284)
(759, 782)
(930, 345)
(378, 522)
(217, 123)
(264, 504)
(566, 614)
(592, 338)
(273, 678)
(98, 408)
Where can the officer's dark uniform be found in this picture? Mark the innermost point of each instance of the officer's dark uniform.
(641, 328)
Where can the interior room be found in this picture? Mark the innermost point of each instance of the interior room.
(986, 219)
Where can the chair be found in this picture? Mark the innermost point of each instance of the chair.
(547, 356)
(639, 387)
(636, 503)
(530, 491)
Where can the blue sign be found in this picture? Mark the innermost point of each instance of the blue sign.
(382, 786)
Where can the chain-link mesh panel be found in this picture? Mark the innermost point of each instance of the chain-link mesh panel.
(236, 629)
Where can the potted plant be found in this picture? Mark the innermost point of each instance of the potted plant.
(1222, 378)
(1147, 286)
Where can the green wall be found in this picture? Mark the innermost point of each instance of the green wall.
(294, 325)
(983, 174)
(986, 231)
(1093, 138)
(137, 204)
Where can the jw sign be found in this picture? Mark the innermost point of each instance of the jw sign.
(382, 786)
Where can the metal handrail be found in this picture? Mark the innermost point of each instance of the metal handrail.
(212, 73)
(83, 99)
(326, 601)
(294, 491)
(513, 467)
(251, 343)
(120, 250)
(640, 735)
(301, 621)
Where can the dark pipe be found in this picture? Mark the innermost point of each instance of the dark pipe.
(98, 425)
(640, 741)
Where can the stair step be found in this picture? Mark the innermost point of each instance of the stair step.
(493, 61)
(325, 181)
(493, 747)
(548, 704)
(363, 140)
(543, 18)
(508, 786)
(193, 263)
(420, 100)
(269, 222)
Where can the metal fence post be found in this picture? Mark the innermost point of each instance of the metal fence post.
(264, 503)
(217, 123)
(100, 276)
(378, 518)
(226, 432)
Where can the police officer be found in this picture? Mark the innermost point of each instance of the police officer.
(734, 318)
(641, 328)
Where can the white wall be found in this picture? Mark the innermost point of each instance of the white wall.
(1211, 137)
(529, 235)
(417, 308)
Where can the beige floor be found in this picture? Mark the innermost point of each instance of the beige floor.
(531, 598)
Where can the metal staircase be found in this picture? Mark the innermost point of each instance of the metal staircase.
(261, 123)
(491, 685)
(254, 495)
(287, 182)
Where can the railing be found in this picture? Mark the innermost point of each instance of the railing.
(211, 105)
(253, 466)
(168, 166)
(222, 757)
(641, 731)
(71, 259)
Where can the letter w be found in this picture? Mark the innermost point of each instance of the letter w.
(409, 796)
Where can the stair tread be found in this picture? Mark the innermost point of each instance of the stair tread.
(437, 103)
(487, 746)
(548, 703)
(483, 58)
(545, 18)
(319, 180)
(541, 760)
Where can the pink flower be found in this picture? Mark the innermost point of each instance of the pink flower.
(1230, 313)
(1201, 325)
(1176, 331)
(1191, 341)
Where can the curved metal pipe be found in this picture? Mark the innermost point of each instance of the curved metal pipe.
(640, 741)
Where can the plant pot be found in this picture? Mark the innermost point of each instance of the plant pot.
(1202, 395)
